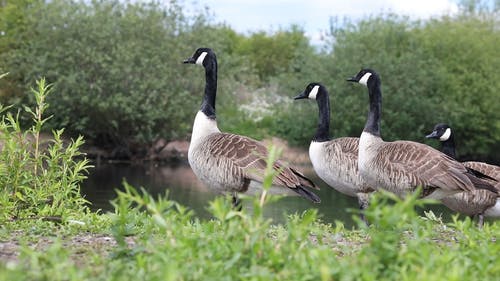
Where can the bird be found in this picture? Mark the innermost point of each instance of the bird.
(401, 167)
(444, 133)
(480, 203)
(230, 163)
(335, 161)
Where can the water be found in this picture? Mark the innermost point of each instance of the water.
(185, 188)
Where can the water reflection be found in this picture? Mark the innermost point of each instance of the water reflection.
(185, 188)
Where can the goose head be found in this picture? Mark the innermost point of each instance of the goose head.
(364, 77)
(200, 57)
(441, 131)
(312, 91)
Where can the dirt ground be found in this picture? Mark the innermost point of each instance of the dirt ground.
(79, 245)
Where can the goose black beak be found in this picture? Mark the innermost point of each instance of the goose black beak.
(302, 95)
(432, 135)
(189, 60)
(352, 79)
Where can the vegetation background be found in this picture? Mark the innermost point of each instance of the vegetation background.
(118, 79)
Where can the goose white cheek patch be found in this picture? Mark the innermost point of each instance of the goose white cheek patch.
(364, 79)
(201, 58)
(446, 135)
(314, 92)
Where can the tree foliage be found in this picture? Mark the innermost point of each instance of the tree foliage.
(116, 67)
(119, 81)
(442, 70)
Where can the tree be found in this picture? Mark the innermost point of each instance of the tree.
(116, 67)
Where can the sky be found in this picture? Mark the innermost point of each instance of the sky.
(313, 15)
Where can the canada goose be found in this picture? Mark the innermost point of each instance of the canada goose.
(335, 161)
(446, 136)
(477, 202)
(402, 166)
(231, 163)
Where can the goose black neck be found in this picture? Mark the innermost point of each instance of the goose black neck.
(208, 104)
(323, 130)
(372, 125)
(448, 147)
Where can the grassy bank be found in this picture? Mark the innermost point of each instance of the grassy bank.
(157, 239)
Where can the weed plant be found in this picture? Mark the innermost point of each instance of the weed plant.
(39, 177)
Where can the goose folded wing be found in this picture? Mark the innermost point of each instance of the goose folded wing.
(427, 167)
(248, 157)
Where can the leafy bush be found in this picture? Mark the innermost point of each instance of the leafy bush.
(116, 66)
(273, 54)
(39, 178)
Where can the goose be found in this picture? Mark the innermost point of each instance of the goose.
(401, 167)
(335, 161)
(230, 163)
(481, 203)
(445, 135)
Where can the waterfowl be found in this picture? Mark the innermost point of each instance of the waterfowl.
(229, 163)
(403, 166)
(335, 161)
(446, 136)
(477, 202)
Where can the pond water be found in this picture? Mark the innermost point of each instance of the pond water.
(99, 188)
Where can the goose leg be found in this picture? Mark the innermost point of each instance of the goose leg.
(480, 221)
(236, 202)
(363, 201)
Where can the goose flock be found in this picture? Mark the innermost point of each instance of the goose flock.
(232, 164)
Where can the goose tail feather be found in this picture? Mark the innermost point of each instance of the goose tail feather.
(302, 191)
(481, 184)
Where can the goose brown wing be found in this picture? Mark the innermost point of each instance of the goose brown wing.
(424, 166)
(248, 157)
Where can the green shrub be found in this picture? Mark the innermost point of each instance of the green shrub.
(39, 177)
(116, 67)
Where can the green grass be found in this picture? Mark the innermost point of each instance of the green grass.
(148, 238)
(158, 239)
